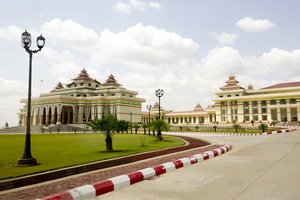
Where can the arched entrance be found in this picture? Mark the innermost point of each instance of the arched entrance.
(67, 115)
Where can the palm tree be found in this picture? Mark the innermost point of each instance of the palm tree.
(263, 127)
(136, 127)
(145, 126)
(160, 125)
(109, 124)
(123, 126)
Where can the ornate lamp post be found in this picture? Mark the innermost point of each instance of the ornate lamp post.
(159, 93)
(27, 159)
(149, 108)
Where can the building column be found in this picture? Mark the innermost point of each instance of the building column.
(278, 111)
(259, 111)
(229, 115)
(74, 114)
(269, 118)
(288, 110)
(93, 113)
(80, 114)
(250, 111)
(47, 116)
(240, 111)
(59, 108)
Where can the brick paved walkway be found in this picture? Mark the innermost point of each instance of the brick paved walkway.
(52, 187)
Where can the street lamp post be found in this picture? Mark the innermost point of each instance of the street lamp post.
(130, 113)
(159, 93)
(27, 159)
(149, 108)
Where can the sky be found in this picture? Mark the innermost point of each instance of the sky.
(187, 48)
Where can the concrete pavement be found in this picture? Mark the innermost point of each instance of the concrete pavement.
(258, 167)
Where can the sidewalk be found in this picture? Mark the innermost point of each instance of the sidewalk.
(261, 168)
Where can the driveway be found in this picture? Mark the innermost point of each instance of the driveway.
(258, 167)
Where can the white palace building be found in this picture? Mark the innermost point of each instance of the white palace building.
(233, 103)
(82, 100)
(85, 99)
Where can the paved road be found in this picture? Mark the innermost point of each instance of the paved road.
(258, 167)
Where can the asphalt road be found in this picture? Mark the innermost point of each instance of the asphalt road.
(258, 167)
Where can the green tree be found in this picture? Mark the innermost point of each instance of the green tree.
(215, 128)
(180, 127)
(145, 126)
(109, 124)
(136, 127)
(94, 124)
(252, 122)
(58, 129)
(160, 125)
(197, 128)
(263, 127)
(236, 127)
(123, 126)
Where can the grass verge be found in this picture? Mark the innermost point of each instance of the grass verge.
(55, 151)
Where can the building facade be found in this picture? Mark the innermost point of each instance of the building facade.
(182, 118)
(280, 102)
(82, 100)
(234, 103)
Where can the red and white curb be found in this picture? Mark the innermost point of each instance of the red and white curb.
(233, 134)
(120, 182)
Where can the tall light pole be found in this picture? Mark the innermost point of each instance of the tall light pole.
(130, 113)
(159, 93)
(27, 159)
(149, 108)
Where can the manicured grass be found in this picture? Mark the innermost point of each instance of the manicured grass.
(54, 151)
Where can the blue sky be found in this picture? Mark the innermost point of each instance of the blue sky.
(188, 48)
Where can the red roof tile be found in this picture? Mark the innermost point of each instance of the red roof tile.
(283, 85)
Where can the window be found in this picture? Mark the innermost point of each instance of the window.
(102, 95)
(130, 95)
(113, 94)
(273, 102)
(229, 95)
(282, 101)
(221, 96)
(81, 84)
(97, 85)
(237, 95)
(123, 95)
(293, 101)
(89, 84)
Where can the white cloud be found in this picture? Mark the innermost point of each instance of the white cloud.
(68, 33)
(11, 92)
(10, 32)
(145, 58)
(225, 38)
(155, 5)
(122, 7)
(250, 25)
(135, 5)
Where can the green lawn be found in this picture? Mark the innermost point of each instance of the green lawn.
(54, 151)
